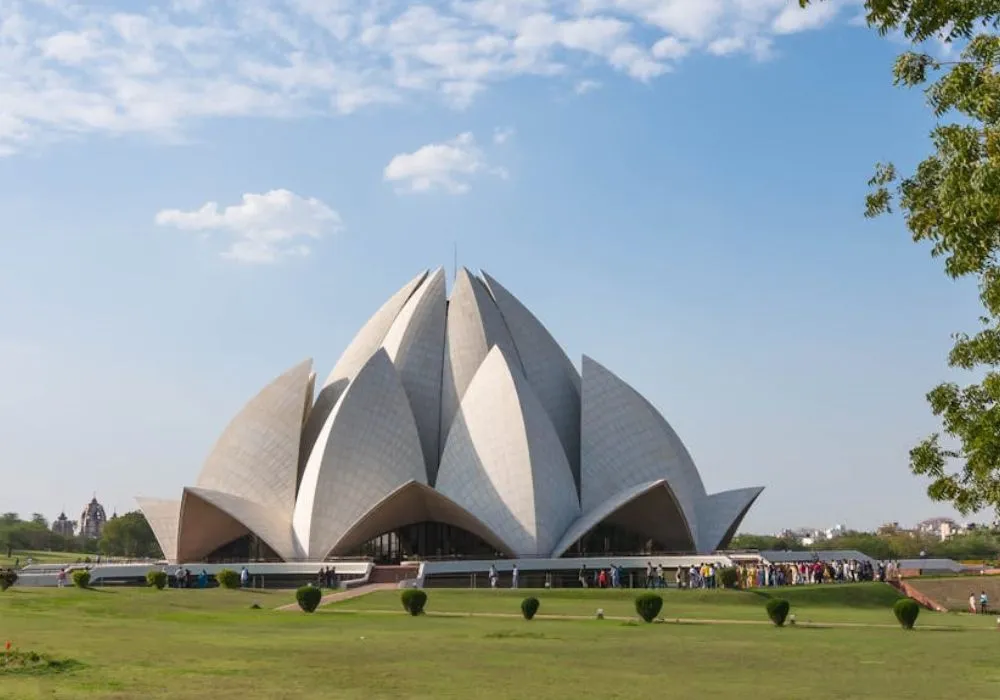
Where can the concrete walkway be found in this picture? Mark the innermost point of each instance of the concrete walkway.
(346, 595)
(674, 620)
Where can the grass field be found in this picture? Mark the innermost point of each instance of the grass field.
(137, 643)
(39, 557)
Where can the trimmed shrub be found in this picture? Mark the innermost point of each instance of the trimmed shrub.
(81, 578)
(308, 598)
(413, 600)
(906, 611)
(648, 605)
(157, 579)
(228, 578)
(729, 577)
(8, 577)
(529, 606)
(777, 610)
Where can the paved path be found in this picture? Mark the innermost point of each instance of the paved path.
(671, 620)
(346, 595)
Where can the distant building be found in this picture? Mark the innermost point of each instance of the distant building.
(63, 526)
(92, 520)
(942, 528)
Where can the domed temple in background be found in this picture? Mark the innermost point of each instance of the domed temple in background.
(92, 520)
(450, 426)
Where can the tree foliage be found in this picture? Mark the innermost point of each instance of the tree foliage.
(951, 201)
(129, 535)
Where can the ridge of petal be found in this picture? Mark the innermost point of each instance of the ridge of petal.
(256, 456)
(720, 514)
(549, 370)
(163, 517)
(503, 461)
(362, 346)
(210, 519)
(475, 326)
(415, 344)
(412, 503)
(625, 441)
(368, 447)
(649, 509)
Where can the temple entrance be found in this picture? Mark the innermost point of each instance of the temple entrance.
(427, 540)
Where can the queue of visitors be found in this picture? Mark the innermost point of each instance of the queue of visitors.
(759, 575)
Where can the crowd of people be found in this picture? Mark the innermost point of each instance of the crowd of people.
(761, 574)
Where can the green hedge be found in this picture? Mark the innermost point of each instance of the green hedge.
(8, 577)
(529, 606)
(156, 579)
(81, 578)
(413, 600)
(648, 605)
(906, 611)
(729, 577)
(228, 578)
(777, 610)
(308, 598)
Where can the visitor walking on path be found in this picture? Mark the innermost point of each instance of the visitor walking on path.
(972, 603)
(244, 577)
(514, 575)
(984, 603)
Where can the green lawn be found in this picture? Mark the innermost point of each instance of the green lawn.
(39, 557)
(136, 643)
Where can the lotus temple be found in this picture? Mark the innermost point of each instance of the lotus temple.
(451, 426)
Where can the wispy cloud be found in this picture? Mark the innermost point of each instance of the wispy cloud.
(80, 67)
(448, 166)
(263, 228)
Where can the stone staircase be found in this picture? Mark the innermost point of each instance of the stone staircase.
(393, 574)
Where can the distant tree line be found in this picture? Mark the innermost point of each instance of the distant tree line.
(977, 544)
(127, 535)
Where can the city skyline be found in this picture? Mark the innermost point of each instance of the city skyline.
(183, 207)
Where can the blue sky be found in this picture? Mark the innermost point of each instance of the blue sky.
(674, 187)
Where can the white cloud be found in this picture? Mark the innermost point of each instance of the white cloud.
(447, 166)
(502, 135)
(71, 67)
(264, 227)
(582, 87)
(794, 19)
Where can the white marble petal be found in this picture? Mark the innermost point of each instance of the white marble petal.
(415, 344)
(362, 347)
(720, 514)
(625, 442)
(550, 372)
(503, 461)
(163, 517)
(368, 448)
(256, 456)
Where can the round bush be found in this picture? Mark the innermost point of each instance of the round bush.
(648, 605)
(906, 611)
(529, 606)
(8, 577)
(729, 577)
(157, 579)
(228, 578)
(81, 578)
(777, 610)
(413, 600)
(308, 598)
